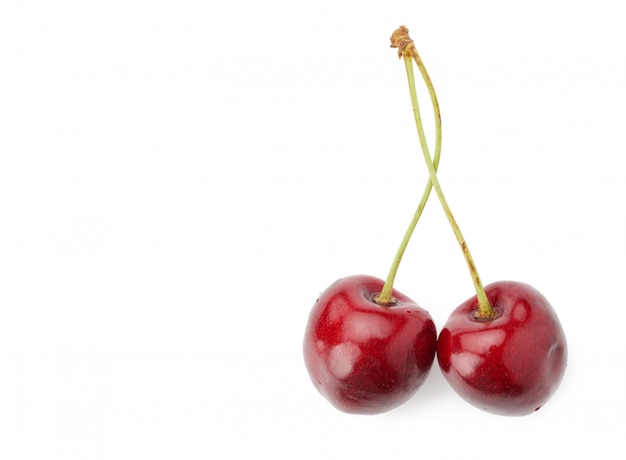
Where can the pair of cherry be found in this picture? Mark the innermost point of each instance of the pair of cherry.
(368, 348)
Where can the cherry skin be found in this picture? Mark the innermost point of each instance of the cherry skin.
(363, 357)
(511, 364)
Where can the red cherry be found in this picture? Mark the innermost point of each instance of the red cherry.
(363, 357)
(503, 350)
(508, 365)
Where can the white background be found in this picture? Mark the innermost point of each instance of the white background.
(179, 180)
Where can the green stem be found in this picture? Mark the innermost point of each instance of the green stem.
(408, 51)
(386, 294)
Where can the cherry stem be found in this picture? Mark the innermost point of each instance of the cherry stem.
(385, 297)
(406, 49)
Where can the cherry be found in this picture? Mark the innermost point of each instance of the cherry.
(503, 350)
(365, 358)
(511, 363)
(367, 347)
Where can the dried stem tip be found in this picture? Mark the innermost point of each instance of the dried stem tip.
(400, 39)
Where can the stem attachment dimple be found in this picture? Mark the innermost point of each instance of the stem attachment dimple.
(406, 49)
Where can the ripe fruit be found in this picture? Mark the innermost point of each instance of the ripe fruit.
(503, 350)
(363, 357)
(509, 364)
(367, 347)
